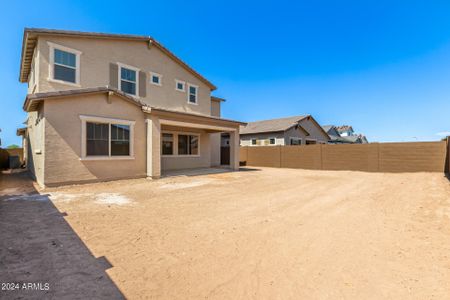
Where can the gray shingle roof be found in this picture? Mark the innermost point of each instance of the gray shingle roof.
(273, 125)
(343, 128)
(327, 127)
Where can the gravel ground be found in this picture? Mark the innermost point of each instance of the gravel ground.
(257, 234)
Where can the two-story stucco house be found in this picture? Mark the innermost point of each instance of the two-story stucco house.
(112, 106)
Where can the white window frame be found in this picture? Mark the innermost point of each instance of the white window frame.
(295, 138)
(156, 75)
(119, 76)
(183, 83)
(189, 85)
(312, 140)
(51, 75)
(275, 139)
(256, 142)
(175, 143)
(85, 119)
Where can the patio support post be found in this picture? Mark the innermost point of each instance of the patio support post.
(234, 150)
(153, 147)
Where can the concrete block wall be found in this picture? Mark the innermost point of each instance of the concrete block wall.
(374, 157)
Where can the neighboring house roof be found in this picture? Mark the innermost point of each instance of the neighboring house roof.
(339, 139)
(30, 38)
(364, 139)
(344, 128)
(32, 101)
(277, 125)
(327, 128)
(352, 138)
(356, 139)
(273, 125)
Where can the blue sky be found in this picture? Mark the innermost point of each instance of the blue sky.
(380, 66)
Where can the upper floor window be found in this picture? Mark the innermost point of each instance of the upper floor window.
(64, 64)
(128, 81)
(180, 85)
(192, 94)
(155, 78)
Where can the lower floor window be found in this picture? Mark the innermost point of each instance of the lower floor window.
(97, 135)
(120, 140)
(272, 141)
(106, 137)
(187, 144)
(311, 142)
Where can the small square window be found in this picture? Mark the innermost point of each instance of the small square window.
(272, 141)
(155, 78)
(179, 85)
(253, 141)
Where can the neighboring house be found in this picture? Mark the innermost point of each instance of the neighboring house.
(113, 106)
(344, 135)
(345, 130)
(356, 139)
(297, 130)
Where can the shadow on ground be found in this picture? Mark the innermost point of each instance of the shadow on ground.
(202, 171)
(38, 246)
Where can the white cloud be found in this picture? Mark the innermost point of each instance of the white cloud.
(443, 133)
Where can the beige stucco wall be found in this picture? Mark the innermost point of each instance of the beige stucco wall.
(34, 73)
(214, 139)
(36, 144)
(215, 108)
(180, 162)
(97, 54)
(63, 140)
(262, 139)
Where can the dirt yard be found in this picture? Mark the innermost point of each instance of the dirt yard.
(256, 234)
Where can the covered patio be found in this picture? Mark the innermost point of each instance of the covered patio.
(183, 141)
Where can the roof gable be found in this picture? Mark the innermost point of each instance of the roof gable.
(31, 34)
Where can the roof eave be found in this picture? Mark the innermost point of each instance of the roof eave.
(32, 100)
(150, 110)
(264, 131)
